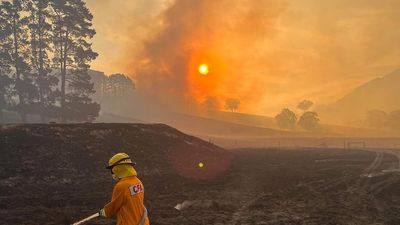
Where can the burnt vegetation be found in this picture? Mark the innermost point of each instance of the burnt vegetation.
(54, 174)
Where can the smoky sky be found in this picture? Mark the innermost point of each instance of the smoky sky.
(267, 53)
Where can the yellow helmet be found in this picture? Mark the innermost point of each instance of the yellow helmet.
(121, 165)
(119, 159)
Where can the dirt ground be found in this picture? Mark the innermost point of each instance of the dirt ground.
(54, 174)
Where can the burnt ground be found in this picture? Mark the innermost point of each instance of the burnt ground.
(54, 174)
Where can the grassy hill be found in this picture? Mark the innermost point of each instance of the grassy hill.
(245, 119)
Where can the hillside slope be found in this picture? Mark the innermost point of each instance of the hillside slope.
(245, 119)
(381, 93)
(50, 174)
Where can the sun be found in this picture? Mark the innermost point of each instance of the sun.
(203, 69)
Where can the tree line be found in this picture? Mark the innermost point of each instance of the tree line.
(309, 120)
(45, 52)
(211, 103)
(115, 85)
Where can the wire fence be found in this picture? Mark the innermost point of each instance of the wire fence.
(282, 143)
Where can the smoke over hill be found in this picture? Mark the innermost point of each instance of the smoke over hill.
(196, 32)
(381, 93)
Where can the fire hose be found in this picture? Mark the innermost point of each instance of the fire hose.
(87, 219)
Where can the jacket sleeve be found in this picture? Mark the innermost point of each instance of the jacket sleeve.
(112, 208)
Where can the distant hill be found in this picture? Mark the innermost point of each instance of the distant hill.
(381, 93)
(216, 127)
(245, 119)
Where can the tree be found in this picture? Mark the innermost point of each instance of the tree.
(119, 85)
(286, 119)
(309, 121)
(5, 58)
(376, 118)
(5, 93)
(72, 30)
(35, 36)
(79, 106)
(393, 121)
(305, 105)
(5, 80)
(40, 14)
(232, 104)
(15, 47)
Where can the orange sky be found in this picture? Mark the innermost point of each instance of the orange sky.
(267, 53)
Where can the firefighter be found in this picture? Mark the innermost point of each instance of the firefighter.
(128, 194)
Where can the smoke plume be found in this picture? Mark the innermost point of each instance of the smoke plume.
(223, 34)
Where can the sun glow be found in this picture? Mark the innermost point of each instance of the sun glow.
(203, 69)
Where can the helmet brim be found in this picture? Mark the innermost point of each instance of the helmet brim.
(111, 166)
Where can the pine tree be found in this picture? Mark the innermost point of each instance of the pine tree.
(72, 29)
(40, 15)
(14, 52)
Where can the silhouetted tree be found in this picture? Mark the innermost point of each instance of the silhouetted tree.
(286, 119)
(33, 31)
(118, 85)
(393, 121)
(15, 46)
(79, 105)
(305, 105)
(232, 104)
(72, 30)
(376, 118)
(40, 14)
(309, 121)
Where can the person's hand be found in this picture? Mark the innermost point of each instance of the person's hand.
(102, 213)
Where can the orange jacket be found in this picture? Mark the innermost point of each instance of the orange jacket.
(127, 202)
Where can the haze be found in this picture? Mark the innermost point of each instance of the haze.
(269, 53)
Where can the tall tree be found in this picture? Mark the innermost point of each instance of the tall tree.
(5, 57)
(14, 44)
(79, 104)
(40, 14)
(72, 30)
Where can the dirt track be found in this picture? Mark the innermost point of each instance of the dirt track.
(54, 175)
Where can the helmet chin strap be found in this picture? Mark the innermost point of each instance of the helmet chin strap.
(114, 177)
